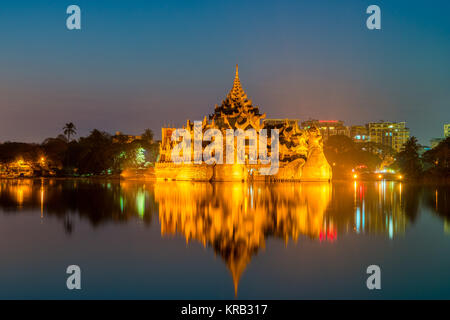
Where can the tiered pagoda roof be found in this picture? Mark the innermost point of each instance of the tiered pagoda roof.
(237, 111)
(235, 101)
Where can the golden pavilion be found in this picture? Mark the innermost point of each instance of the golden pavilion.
(300, 151)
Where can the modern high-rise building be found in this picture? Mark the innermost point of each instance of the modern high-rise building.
(393, 134)
(328, 127)
(446, 130)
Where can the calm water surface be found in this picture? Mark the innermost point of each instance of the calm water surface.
(224, 240)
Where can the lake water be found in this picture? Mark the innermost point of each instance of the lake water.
(183, 240)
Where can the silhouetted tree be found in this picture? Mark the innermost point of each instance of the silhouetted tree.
(343, 154)
(55, 150)
(438, 159)
(69, 130)
(12, 151)
(408, 160)
(147, 137)
(96, 153)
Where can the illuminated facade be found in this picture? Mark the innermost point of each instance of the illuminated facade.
(393, 134)
(328, 127)
(359, 133)
(300, 150)
(446, 130)
(16, 169)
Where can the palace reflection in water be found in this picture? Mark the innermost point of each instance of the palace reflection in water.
(235, 219)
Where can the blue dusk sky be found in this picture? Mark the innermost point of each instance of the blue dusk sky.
(144, 64)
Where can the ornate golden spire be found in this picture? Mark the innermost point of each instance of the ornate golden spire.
(235, 103)
(237, 93)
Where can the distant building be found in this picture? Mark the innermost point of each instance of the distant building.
(435, 141)
(359, 133)
(393, 134)
(328, 127)
(280, 122)
(124, 138)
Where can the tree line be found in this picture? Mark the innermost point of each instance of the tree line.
(98, 153)
(344, 154)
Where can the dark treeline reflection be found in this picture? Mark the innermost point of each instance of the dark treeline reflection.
(438, 198)
(235, 219)
(96, 201)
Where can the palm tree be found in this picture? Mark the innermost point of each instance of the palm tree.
(69, 130)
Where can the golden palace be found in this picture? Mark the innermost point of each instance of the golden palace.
(290, 154)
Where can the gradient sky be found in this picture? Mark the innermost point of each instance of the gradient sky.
(143, 64)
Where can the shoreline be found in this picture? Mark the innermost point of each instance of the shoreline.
(137, 178)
